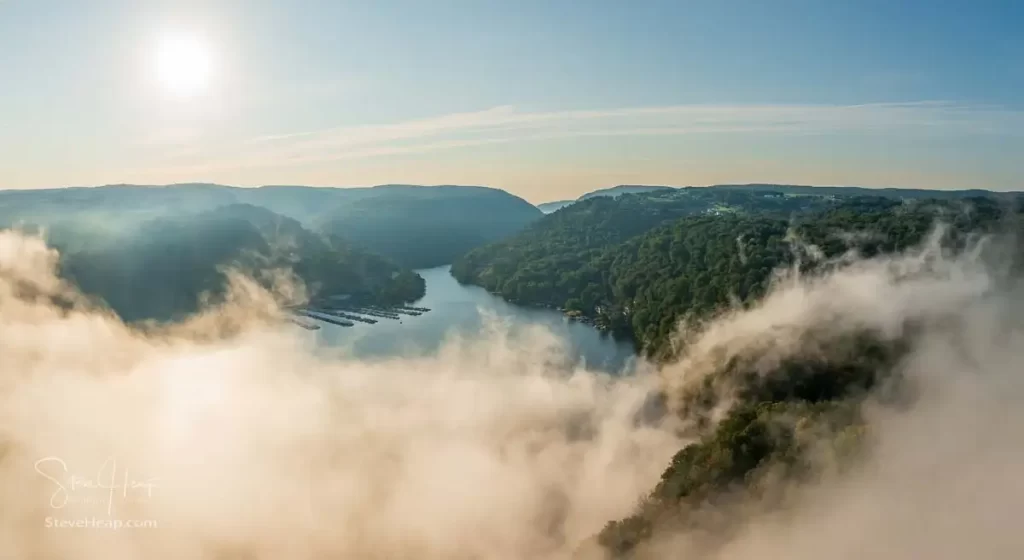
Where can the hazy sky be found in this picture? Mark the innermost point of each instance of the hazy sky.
(546, 98)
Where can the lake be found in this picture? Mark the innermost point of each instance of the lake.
(467, 311)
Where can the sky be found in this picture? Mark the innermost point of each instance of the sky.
(547, 99)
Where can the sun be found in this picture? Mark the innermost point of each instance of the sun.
(183, 65)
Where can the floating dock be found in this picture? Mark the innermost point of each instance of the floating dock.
(343, 315)
(304, 323)
(348, 315)
(325, 318)
(373, 312)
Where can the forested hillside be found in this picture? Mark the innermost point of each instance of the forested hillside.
(770, 414)
(161, 268)
(640, 264)
(564, 259)
(421, 227)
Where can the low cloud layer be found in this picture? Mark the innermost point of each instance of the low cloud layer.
(940, 472)
(252, 442)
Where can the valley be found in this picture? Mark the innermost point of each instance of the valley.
(734, 308)
(511, 280)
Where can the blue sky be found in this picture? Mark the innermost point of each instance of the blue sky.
(547, 99)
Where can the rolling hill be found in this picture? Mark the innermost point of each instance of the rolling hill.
(638, 264)
(162, 268)
(412, 225)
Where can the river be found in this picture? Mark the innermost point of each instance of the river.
(466, 312)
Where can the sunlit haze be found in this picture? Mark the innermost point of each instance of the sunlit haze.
(182, 64)
(546, 101)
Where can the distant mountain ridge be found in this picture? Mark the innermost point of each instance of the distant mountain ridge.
(623, 189)
(613, 192)
(888, 192)
(549, 207)
(416, 226)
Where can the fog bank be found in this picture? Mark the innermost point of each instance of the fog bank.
(233, 436)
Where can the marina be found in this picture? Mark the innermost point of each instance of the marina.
(349, 315)
(325, 318)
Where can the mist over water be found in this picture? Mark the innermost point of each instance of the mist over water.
(247, 437)
(241, 438)
(459, 311)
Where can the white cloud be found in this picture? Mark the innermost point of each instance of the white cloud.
(262, 444)
(509, 124)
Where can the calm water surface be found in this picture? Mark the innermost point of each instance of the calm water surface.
(466, 311)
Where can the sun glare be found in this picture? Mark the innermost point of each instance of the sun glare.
(183, 65)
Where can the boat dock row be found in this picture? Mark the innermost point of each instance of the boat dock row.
(325, 318)
(343, 315)
(348, 316)
(373, 312)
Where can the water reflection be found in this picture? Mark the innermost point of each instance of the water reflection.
(465, 311)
